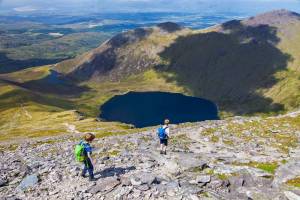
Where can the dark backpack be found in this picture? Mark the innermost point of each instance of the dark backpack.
(161, 132)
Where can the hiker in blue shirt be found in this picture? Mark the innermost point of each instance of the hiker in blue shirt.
(164, 134)
(88, 161)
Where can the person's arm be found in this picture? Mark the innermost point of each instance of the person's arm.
(167, 131)
(90, 157)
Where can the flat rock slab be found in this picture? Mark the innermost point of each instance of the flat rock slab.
(187, 161)
(286, 172)
(135, 181)
(146, 178)
(291, 196)
(28, 181)
(104, 185)
(203, 179)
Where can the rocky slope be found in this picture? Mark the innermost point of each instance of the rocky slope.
(237, 158)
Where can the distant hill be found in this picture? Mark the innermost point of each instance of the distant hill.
(125, 54)
(246, 67)
(25, 42)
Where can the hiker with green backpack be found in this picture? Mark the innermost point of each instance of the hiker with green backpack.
(163, 133)
(83, 152)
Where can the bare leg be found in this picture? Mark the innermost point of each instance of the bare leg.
(165, 149)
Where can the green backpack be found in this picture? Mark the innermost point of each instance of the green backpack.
(79, 152)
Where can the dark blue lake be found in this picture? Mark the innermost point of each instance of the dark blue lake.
(151, 108)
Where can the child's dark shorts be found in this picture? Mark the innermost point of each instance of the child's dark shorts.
(164, 141)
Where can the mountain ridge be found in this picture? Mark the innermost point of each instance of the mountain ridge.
(104, 58)
(259, 46)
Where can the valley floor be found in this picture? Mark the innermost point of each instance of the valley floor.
(237, 158)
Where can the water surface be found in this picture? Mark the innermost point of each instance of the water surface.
(151, 108)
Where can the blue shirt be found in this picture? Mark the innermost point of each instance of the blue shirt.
(87, 147)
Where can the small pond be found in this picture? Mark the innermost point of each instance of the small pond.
(150, 108)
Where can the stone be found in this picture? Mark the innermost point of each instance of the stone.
(187, 188)
(250, 179)
(55, 177)
(291, 196)
(144, 187)
(3, 182)
(171, 193)
(28, 181)
(236, 182)
(172, 185)
(135, 181)
(147, 165)
(105, 185)
(147, 178)
(216, 184)
(286, 172)
(125, 181)
(187, 161)
(136, 193)
(171, 167)
(193, 182)
(203, 179)
(194, 197)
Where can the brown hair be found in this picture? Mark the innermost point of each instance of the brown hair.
(89, 137)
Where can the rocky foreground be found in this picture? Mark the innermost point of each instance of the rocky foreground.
(238, 158)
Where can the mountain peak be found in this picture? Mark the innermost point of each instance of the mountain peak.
(283, 12)
(275, 17)
(169, 27)
(128, 37)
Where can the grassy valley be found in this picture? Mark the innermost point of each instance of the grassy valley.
(31, 111)
(27, 42)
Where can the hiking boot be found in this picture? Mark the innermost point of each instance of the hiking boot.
(161, 152)
(165, 152)
(92, 179)
(83, 176)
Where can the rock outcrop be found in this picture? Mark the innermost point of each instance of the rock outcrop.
(238, 158)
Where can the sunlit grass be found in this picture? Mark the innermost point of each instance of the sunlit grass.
(294, 182)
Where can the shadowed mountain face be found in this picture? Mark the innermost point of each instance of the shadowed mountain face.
(235, 65)
(15, 65)
(53, 83)
(229, 66)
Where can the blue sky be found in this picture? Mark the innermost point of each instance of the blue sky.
(84, 6)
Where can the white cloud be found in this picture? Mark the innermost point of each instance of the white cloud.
(25, 9)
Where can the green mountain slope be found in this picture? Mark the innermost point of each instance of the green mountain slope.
(246, 67)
